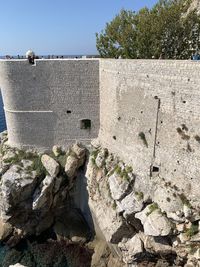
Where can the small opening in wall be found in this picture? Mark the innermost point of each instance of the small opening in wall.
(119, 118)
(184, 101)
(141, 111)
(114, 137)
(69, 111)
(155, 97)
(155, 169)
(85, 124)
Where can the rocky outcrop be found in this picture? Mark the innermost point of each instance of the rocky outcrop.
(35, 193)
(139, 222)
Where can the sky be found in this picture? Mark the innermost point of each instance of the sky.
(59, 27)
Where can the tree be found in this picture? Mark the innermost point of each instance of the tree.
(163, 30)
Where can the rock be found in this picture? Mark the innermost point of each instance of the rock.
(158, 245)
(187, 211)
(78, 239)
(17, 265)
(154, 222)
(44, 223)
(168, 201)
(9, 155)
(100, 159)
(183, 237)
(44, 198)
(118, 186)
(56, 150)
(131, 248)
(130, 204)
(80, 154)
(57, 183)
(71, 166)
(51, 166)
(5, 230)
(95, 143)
(16, 186)
(79, 151)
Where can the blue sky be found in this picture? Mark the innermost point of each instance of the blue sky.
(57, 26)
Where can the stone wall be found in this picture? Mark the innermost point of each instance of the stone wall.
(149, 111)
(45, 103)
(149, 116)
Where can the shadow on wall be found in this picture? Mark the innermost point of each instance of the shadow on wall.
(3, 126)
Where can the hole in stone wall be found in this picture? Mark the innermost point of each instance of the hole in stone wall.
(184, 101)
(85, 124)
(69, 111)
(114, 137)
(155, 169)
(119, 118)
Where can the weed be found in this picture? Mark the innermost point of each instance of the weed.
(143, 138)
(193, 230)
(185, 201)
(139, 195)
(152, 208)
(94, 153)
(118, 170)
(114, 205)
(128, 169)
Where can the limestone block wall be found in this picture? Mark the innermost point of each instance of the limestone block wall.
(45, 103)
(149, 116)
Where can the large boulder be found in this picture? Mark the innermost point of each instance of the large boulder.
(51, 166)
(17, 185)
(43, 197)
(118, 186)
(130, 204)
(131, 248)
(71, 166)
(155, 223)
(5, 230)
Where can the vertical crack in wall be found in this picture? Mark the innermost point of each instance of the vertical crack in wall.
(155, 138)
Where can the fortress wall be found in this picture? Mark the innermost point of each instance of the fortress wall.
(44, 103)
(161, 100)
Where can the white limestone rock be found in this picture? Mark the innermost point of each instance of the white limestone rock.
(131, 248)
(56, 150)
(16, 186)
(80, 154)
(130, 204)
(44, 197)
(17, 265)
(158, 245)
(168, 202)
(5, 229)
(154, 222)
(50, 165)
(78, 150)
(71, 166)
(118, 186)
(100, 159)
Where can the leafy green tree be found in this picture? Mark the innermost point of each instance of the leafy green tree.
(119, 37)
(164, 31)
